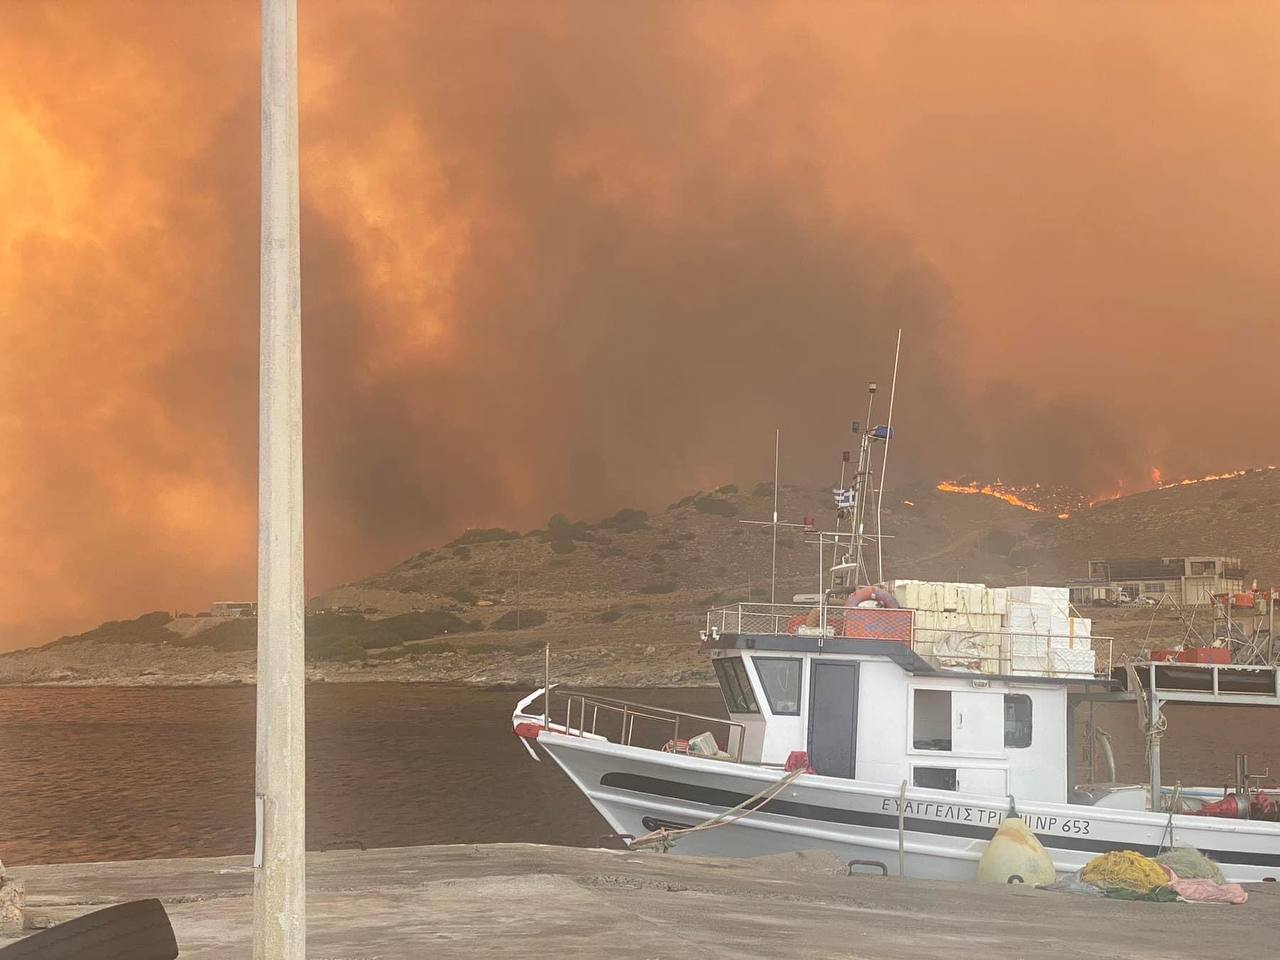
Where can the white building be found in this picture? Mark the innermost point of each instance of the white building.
(1191, 581)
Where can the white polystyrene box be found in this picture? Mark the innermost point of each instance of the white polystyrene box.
(1024, 617)
(1029, 647)
(1075, 663)
(1030, 665)
(1075, 634)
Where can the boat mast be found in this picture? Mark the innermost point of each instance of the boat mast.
(850, 569)
(884, 463)
(851, 506)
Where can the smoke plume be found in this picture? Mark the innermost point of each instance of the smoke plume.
(567, 257)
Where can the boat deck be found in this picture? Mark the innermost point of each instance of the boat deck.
(1227, 684)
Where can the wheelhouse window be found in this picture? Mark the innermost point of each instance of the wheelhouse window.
(780, 677)
(735, 685)
(1017, 720)
(931, 720)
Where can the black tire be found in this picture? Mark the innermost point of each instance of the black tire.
(139, 930)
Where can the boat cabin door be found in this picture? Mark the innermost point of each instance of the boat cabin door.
(977, 723)
(977, 730)
(833, 717)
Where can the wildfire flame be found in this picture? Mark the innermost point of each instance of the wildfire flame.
(1037, 497)
(1107, 497)
(1155, 476)
(1041, 499)
(997, 490)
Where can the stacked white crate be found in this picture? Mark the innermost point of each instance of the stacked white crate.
(1025, 630)
(1044, 638)
(949, 597)
(1057, 599)
(957, 624)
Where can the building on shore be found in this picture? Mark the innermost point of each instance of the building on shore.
(1189, 581)
(233, 608)
(1087, 590)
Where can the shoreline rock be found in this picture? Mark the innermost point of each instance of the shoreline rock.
(12, 902)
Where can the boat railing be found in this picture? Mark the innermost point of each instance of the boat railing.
(770, 619)
(639, 724)
(1006, 652)
(1177, 681)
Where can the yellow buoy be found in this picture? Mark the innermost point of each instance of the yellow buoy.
(1015, 855)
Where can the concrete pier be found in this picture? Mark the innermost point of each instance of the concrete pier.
(521, 901)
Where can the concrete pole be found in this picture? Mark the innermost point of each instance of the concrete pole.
(279, 887)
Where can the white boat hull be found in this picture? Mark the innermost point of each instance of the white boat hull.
(638, 790)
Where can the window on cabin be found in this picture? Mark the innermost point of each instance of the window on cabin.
(931, 720)
(735, 686)
(780, 677)
(1017, 720)
(934, 778)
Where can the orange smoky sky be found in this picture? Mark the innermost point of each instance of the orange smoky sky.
(567, 257)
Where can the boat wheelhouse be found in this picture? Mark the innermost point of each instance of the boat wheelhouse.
(876, 710)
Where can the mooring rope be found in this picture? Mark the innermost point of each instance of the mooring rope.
(665, 838)
(1152, 731)
(1135, 686)
(1174, 803)
(1155, 732)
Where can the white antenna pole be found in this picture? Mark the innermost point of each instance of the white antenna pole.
(773, 575)
(279, 879)
(884, 463)
(863, 489)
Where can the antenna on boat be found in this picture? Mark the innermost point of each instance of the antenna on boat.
(884, 463)
(862, 492)
(773, 569)
(774, 522)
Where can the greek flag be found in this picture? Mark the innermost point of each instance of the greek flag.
(844, 499)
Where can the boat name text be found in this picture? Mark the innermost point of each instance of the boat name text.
(959, 813)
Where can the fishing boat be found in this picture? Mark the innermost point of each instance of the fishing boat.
(863, 720)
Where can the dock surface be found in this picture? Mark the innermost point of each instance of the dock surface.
(524, 900)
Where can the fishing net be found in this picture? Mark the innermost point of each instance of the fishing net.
(1071, 883)
(1190, 864)
(1155, 895)
(1124, 870)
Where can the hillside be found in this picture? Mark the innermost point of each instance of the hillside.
(621, 598)
(1237, 517)
(695, 553)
